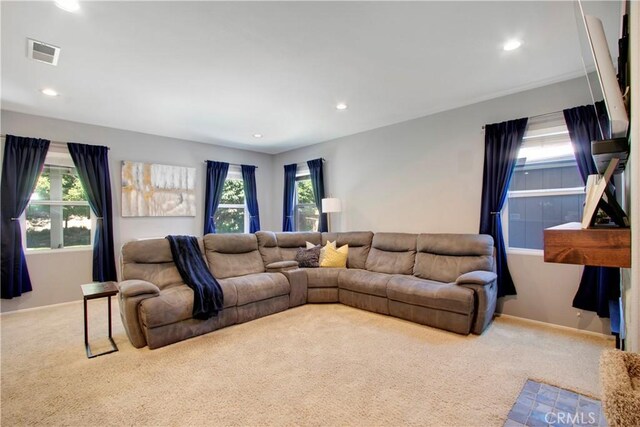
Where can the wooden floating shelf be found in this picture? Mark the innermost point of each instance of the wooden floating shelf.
(602, 247)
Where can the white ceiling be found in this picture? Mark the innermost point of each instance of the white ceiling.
(218, 72)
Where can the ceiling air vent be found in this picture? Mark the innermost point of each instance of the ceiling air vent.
(43, 52)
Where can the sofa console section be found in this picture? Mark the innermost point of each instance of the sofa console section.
(299, 290)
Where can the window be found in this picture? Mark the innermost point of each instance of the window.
(546, 188)
(58, 214)
(305, 210)
(231, 215)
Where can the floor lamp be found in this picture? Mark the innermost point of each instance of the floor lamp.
(330, 205)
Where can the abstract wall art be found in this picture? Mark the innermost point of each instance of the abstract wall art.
(149, 189)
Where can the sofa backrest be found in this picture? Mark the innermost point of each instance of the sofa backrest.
(151, 260)
(444, 257)
(268, 247)
(289, 243)
(231, 255)
(392, 253)
(359, 245)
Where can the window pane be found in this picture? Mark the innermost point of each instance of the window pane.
(304, 191)
(71, 186)
(77, 226)
(546, 176)
(38, 227)
(306, 218)
(233, 192)
(229, 220)
(529, 216)
(43, 186)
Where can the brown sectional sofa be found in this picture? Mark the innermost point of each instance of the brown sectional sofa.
(441, 280)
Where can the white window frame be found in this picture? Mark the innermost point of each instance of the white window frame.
(235, 173)
(58, 157)
(545, 126)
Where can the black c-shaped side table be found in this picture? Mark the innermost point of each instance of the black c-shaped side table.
(93, 291)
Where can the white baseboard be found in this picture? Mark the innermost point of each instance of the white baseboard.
(560, 327)
(23, 310)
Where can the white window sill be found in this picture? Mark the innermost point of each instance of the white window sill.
(29, 252)
(523, 251)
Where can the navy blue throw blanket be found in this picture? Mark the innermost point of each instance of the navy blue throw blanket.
(207, 293)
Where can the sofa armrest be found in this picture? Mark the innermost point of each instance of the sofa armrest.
(485, 290)
(132, 293)
(280, 266)
(132, 288)
(478, 277)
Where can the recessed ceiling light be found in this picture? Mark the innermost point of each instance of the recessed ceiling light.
(257, 135)
(49, 92)
(512, 44)
(68, 5)
(341, 106)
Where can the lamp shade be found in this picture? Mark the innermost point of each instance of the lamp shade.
(331, 205)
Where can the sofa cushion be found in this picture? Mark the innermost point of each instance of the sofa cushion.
(444, 257)
(323, 277)
(175, 304)
(365, 282)
(427, 293)
(231, 255)
(359, 245)
(392, 253)
(258, 287)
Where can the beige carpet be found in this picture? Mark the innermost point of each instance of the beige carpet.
(313, 365)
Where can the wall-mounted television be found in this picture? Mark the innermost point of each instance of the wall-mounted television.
(601, 75)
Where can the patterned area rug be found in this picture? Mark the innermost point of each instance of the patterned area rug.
(542, 404)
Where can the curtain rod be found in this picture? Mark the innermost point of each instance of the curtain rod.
(54, 143)
(541, 115)
(304, 163)
(233, 164)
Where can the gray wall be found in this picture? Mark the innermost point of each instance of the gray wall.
(425, 175)
(56, 276)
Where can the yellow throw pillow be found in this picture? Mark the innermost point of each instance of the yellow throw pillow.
(324, 249)
(335, 258)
